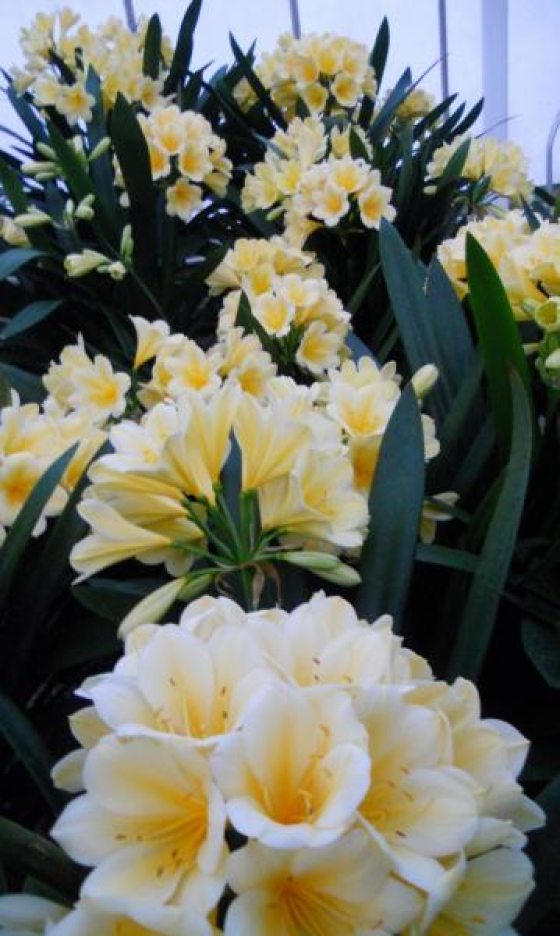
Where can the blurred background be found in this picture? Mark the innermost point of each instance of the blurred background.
(506, 50)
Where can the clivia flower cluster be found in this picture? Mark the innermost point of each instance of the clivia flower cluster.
(274, 773)
(501, 162)
(326, 73)
(301, 319)
(528, 263)
(59, 50)
(304, 179)
(187, 155)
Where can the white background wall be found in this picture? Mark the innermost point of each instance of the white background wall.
(533, 30)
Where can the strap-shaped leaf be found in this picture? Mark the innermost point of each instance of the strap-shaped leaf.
(430, 318)
(28, 317)
(12, 260)
(152, 48)
(28, 748)
(13, 188)
(28, 386)
(81, 185)
(184, 48)
(395, 506)
(37, 856)
(24, 524)
(542, 646)
(470, 118)
(134, 159)
(499, 340)
(456, 164)
(387, 111)
(484, 597)
(380, 51)
(264, 97)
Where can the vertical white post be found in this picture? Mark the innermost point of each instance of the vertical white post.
(495, 66)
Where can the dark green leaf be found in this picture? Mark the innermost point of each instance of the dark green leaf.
(475, 630)
(358, 149)
(13, 188)
(470, 118)
(246, 320)
(22, 528)
(422, 329)
(80, 184)
(152, 48)
(357, 347)
(29, 316)
(455, 165)
(12, 260)
(387, 111)
(264, 97)
(27, 115)
(18, 732)
(395, 506)
(28, 386)
(435, 554)
(500, 343)
(183, 49)
(113, 600)
(362, 289)
(32, 854)
(542, 646)
(134, 159)
(544, 850)
(377, 60)
(5, 392)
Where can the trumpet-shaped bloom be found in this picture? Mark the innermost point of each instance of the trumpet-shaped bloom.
(488, 897)
(317, 500)
(417, 801)
(270, 444)
(184, 686)
(151, 818)
(342, 889)
(297, 770)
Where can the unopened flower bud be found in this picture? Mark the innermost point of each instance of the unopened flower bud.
(151, 609)
(553, 360)
(547, 314)
(424, 379)
(46, 150)
(100, 149)
(84, 211)
(314, 561)
(195, 584)
(33, 167)
(83, 263)
(127, 244)
(343, 575)
(32, 218)
(116, 270)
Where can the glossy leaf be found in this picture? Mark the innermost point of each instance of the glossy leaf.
(152, 48)
(476, 627)
(134, 159)
(18, 732)
(499, 340)
(542, 646)
(12, 260)
(24, 524)
(28, 317)
(32, 854)
(256, 84)
(181, 61)
(395, 506)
